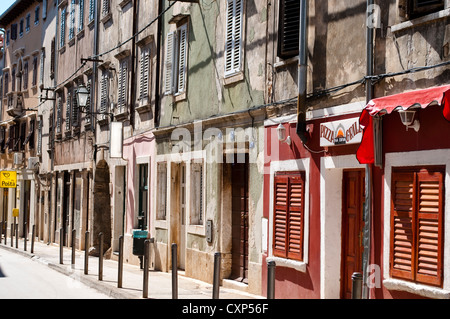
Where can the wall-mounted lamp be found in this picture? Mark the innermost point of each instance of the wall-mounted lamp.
(407, 118)
(281, 131)
(82, 96)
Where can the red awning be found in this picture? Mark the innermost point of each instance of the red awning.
(386, 105)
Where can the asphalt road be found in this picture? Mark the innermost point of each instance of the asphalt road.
(24, 278)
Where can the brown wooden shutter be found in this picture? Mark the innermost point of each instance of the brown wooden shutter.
(289, 28)
(296, 208)
(402, 218)
(280, 216)
(429, 228)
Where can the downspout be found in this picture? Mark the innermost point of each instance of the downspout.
(158, 66)
(133, 69)
(302, 71)
(367, 230)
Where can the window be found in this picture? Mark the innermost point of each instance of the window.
(59, 115)
(52, 58)
(288, 28)
(41, 67)
(25, 75)
(75, 109)
(35, 70)
(39, 139)
(176, 61)
(13, 80)
(88, 102)
(91, 10)
(6, 83)
(2, 139)
(105, 7)
(233, 42)
(81, 15)
(161, 191)
(289, 194)
(14, 31)
(122, 90)
(62, 41)
(72, 20)
(144, 74)
(36, 15)
(21, 28)
(27, 23)
(8, 35)
(418, 8)
(197, 194)
(30, 136)
(104, 85)
(417, 226)
(20, 145)
(68, 111)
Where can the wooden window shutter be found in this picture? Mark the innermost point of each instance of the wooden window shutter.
(68, 111)
(59, 116)
(105, 7)
(75, 109)
(161, 191)
(72, 20)
(169, 63)
(197, 194)
(145, 65)
(25, 75)
(104, 92)
(233, 43)
(81, 15)
(63, 28)
(429, 228)
(296, 216)
(289, 215)
(402, 233)
(416, 227)
(122, 87)
(182, 61)
(280, 216)
(91, 10)
(289, 28)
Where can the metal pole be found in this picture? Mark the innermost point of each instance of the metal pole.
(6, 231)
(357, 285)
(25, 237)
(74, 234)
(86, 251)
(174, 272)
(33, 231)
(271, 279)
(120, 275)
(12, 234)
(100, 257)
(16, 226)
(61, 239)
(146, 255)
(1, 231)
(216, 279)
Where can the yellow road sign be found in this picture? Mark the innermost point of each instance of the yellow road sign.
(8, 179)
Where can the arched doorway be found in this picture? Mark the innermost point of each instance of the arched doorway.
(102, 208)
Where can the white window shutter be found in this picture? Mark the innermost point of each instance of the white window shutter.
(145, 60)
(169, 63)
(197, 194)
(233, 45)
(182, 62)
(104, 93)
(122, 87)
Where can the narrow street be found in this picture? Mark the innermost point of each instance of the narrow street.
(24, 278)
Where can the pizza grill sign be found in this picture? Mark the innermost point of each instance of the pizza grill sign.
(343, 132)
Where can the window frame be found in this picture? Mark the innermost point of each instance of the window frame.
(236, 35)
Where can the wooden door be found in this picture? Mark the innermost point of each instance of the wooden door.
(352, 226)
(239, 184)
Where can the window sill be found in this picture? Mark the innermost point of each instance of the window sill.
(433, 17)
(106, 18)
(417, 289)
(231, 79)
(288, 263)
(196, 229)
(179, 97)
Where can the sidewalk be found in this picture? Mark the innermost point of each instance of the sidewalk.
(160, 283)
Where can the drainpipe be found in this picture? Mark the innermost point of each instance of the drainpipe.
(302, 69)
(367, 233)
(158, 66)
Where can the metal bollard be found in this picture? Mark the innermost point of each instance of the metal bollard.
(271, 279)
(357, 285)
(146, 258)
(174, 272)
(25, 237)
(86, 252)
(74, 234)
(216, 279)
(6, 231)
(1, 232)
(33, 231)
(120, 270)
(61, 241)
(100, 257)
